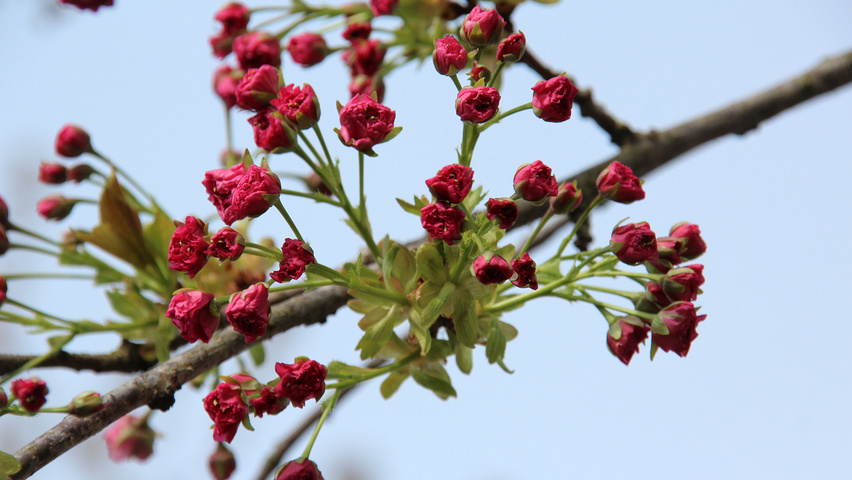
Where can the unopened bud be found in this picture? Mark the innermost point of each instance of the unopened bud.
(86, 404)
(222, 463)
(80, 172)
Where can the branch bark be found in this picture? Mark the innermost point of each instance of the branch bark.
(648, 153)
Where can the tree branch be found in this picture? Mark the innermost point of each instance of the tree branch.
(643, 156)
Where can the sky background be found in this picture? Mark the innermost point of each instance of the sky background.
(764, 392)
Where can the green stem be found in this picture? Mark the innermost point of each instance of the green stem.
(229, 137)
(342, 385)
(456, 81)
(289, 220)
(66, 276)
(500, 116)
(463, 261)
(57, 346)
(33, 249)
(318, 133)
(496, 74)
(327, 407)
(310, 146)
(301, 285)
(362, 202)
(597, 201)
(319, 198)
(33, 234)
(547, 216)
(127, 177)
(611, 291)
(381, 292)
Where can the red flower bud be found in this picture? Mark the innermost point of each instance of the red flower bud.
(357, 31)
(297, 257)
(442, 221)
(4, 288)
(234, 17)
(503, 209)
(482, 27)
(222, 463)
(271, 132)
(364, 123)
(449, 56)
(268, 402)
(681, 320)
(52, 173)
(315, 184)
(300, 381)
(31, 393)
(256, 191)
(255, 49)
(248, 311)
(227, 243)
(301, 469)
(187, 248)
(80, 172)
(369, 86)
(72, 141)
(683, 284)
(567, 199)
(4, 247)
(55, 207)
(4, 215)
(490, 268)
(690, 235)
(535, 181)
(86, 404)
(669, 249)
(364, 57)
(512, 48)
(624, 337)
(220, 183)
(227, 409)
(524, 268)
(189, 310)
(634, 243)
(225, 81)
(477, 104)
(4, 400)
(129, 437)
(451, 184)
(299, 105)
(553, 99)
(618, 183)
(307, 49)
(257, 87)
(477, 73)
(92, 5)
(383, 7)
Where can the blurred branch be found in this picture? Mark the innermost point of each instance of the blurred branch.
(643, 156)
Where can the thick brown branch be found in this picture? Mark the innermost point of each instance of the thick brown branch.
(163, 380)
(643, 157)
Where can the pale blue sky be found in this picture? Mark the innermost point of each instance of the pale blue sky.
(764, 392)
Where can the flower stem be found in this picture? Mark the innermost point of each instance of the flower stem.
(289, 220)
(34, 249)
(547, 216)
(456, 81)
(597, 201)
(33, 234)
(327, 407)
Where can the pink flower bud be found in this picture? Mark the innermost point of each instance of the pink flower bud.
(257, 87)
(482, 27)
(222, 44)
(567, 199)
(618, 183)
(227, 409)
(268, 403)
(4, 247)
(53, 173)
(220, 183)
(449, 56)
(553, 99)
(490, 268)
(307, 49)
(256, 191)
(4, 215)
(80, 172)
(634, 243)
(72, 141)
(477, 104)
(248, 311)
(271, 132)
(4, 400)
(234, 17)
(369, 86)
(624, 337)
(301, 469)
(452, 183)
(364, 123)
(669, 249)
(364, 57)
(92, 5)
(683, 284)
(652, 300)
(55, 207)
(227, 243)
(478, 72)
(357, 31)
(442, 221)
(129, 437)
(299, 105)
(4, 288)
(524, 268)
(86, 404)
(681, 319)
(300, 381)
(316, 185)
(222, 463)
(255, 49)
(535, 181)
(225, 81)
(31, 393)
(187, 248)
(297, 257)
(190, 311)
(503, 209)
(690, 235)
(383, 7)
(512, 48)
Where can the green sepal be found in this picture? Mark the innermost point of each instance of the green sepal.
(654, 348)
(392, 383)
(464, 318)
(394, 132)
(464, 358)
(9, 464)
(430, 264)
(658, 326)
(408, 207)
(496, 346)
(247, 423)
(59, 341)
(435, 378)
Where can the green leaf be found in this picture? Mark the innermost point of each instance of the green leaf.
(257, 354)
(372, 317)
(435, 378)
(340, 371)
(408, 207)
(496, 346)
(430, 264)
(391, 384)
(378, 335)
(424, 338)
(464, 358)
(433, 309)
(464, 318)
(9, 464)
